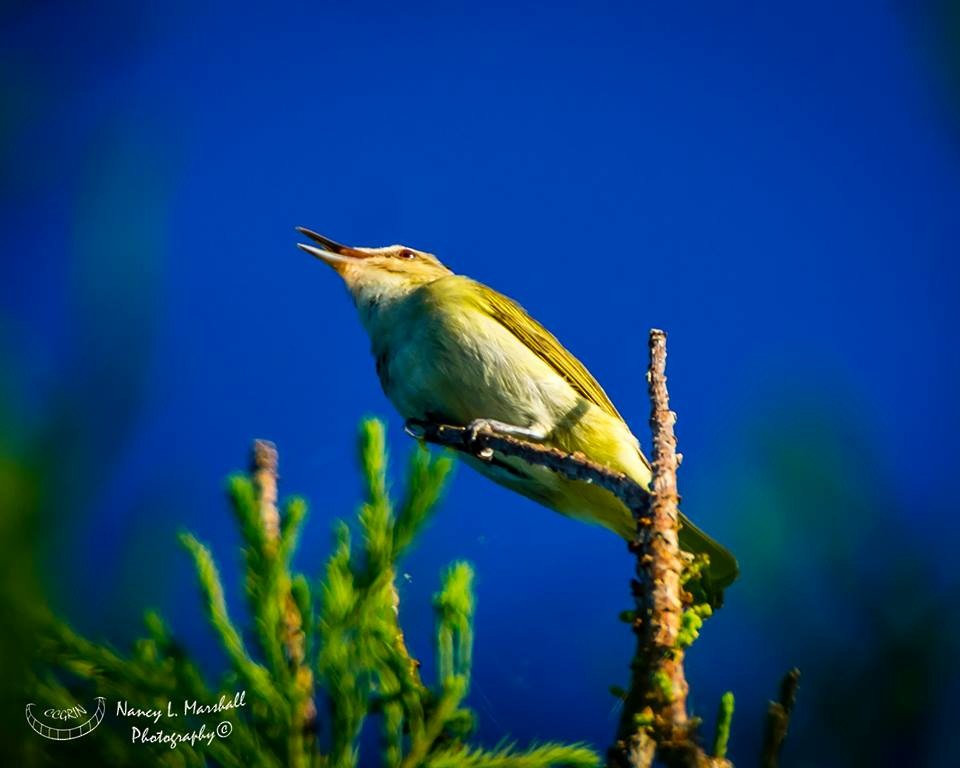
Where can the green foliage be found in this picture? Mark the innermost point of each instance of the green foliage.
(454, 607)
(691, 623)
(342, 634)
(724, 721)
(573, 755)
(663, 685)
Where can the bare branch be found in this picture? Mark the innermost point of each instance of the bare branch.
(264, 468)
(778, 719)
(655, 709)
(572, 466)
(659, 565)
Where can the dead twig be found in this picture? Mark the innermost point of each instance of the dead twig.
(264, 469)
(655, 720)
(572, 466)
(778, 719)
(660, 601)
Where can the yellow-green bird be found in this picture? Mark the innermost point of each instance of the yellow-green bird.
(451, 350)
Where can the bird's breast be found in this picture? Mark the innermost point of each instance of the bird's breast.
(460, 368)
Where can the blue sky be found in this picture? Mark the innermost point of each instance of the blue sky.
(776, 187)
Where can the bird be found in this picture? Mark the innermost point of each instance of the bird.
(451, 350)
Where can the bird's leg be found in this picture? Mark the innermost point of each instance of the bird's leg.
(536, 433)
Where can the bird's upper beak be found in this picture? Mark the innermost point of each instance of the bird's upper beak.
(336, 255)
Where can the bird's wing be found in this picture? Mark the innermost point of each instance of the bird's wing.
(544, 344)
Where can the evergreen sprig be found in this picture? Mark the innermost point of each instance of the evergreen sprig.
(345, 629)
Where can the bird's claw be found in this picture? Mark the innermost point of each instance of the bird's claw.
(474, 429)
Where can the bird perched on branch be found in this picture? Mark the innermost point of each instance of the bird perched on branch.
(453, 351)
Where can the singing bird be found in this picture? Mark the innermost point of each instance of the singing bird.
(451, 350)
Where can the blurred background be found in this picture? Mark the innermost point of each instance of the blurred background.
(779, 188)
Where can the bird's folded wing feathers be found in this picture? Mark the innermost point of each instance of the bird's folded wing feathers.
(538, 339)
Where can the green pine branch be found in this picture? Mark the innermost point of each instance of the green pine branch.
(316, 659)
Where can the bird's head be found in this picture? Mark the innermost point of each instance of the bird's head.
(376, 274)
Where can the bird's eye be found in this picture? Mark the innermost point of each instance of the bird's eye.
(406, 253)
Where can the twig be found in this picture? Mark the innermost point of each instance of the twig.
(654, 719)
(264, 469)
(572, 466)
(659, 566)
(778, 719)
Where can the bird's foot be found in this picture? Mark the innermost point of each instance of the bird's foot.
(472, 432)
(493, 427)
(475, 427)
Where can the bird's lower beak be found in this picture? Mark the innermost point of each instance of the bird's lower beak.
(336, 255)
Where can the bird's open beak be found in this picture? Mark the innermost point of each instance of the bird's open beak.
(336, 255)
